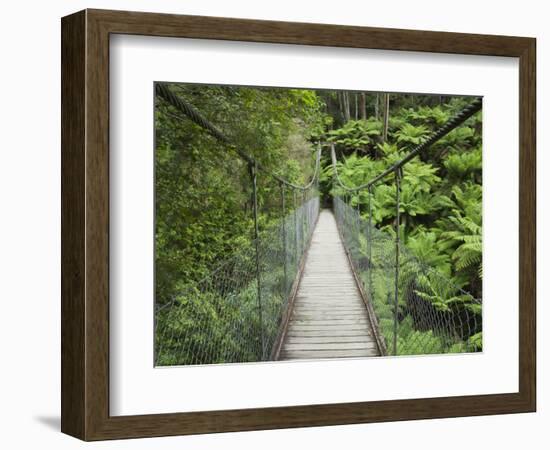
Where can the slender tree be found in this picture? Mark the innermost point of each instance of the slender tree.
(386, 116)
(363, 104)
(346, 107)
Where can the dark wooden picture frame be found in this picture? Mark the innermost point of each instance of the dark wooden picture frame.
(85, 224)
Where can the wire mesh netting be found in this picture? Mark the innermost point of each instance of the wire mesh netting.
(429, 314)
(236, 313)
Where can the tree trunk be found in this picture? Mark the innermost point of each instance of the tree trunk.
(363, 106)
(339, 97)
(376, 107)
(386, 116)
(347, 111)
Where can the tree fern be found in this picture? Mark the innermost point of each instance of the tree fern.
(435, 116)
(469, 253)
(464, 165)
(357, 134)
(411, 135)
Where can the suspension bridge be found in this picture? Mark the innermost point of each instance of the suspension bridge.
(329, 318)
(318, 283)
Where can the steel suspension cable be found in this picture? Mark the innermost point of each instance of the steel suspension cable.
(164, 91)
(451, 124)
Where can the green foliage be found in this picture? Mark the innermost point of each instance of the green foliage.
(476, 341)
(430, 116)
(357, 134)
(204, 209)
(440, 227)
(441, 294)
(460, 234)
(462, 166)
(203, 191)
(423, 245)
(410, 135)
(440, 198)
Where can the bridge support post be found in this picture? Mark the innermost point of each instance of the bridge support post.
(304, 221)
(296, 237)
(396, 285)
(345, 216)
(369, 243)
(358, 222)
(285, 256)
(253, 172)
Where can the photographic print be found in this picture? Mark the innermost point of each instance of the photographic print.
(309, 224)
(299, 224)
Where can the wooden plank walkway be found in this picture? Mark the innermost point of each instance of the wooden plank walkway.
(329, 319)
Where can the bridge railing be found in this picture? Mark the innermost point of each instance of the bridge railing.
(236, 313)
(431, 314)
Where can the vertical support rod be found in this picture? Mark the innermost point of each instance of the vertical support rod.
(317, 194)
(369, 244)
(253, 172)
(295, 230)
(386, 116)
(347, 215)
(343, 214)
(358, 221)
(396, 286)
(285, 269)
(304, 220)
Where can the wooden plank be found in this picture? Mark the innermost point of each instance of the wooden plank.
(330, 315)
(334, 331)
(328, 323)
(324, 310)
(328, 311)
(327, 333)
(329, 318)
(321, 324)
(330, 304)
(303, 346)
(315, 354)
(353, 306)
(338, 299)
(327, 339)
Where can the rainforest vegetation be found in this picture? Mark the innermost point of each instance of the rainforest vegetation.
(204, 209)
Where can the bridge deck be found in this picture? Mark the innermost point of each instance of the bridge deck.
(329, 319)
